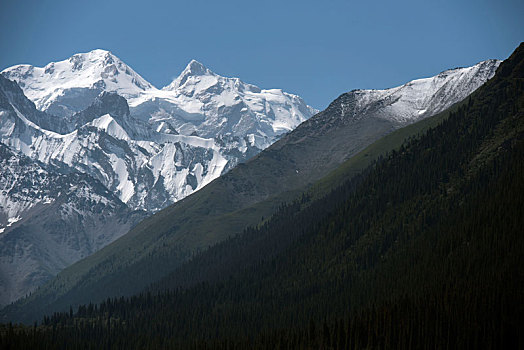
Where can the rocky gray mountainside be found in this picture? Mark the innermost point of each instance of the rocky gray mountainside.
(49, 220)
(357, 118)
(30, 240)
(251, 190)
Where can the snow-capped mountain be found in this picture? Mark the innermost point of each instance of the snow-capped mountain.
(144, 168)
(358, 118)
(139, 147)
(166, 144)
(209, 105)
(69, 86)
(162, 147)
(419, 98)
(77, 167)
(196, 102)
(50, 214)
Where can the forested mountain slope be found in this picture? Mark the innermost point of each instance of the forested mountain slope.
(424, 249)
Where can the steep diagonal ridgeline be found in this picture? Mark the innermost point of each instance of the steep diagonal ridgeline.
(254, 190)
(424, 249)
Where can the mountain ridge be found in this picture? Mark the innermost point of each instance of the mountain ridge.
(227, 205)
(423, 249)
(69, 86)
(146, 165)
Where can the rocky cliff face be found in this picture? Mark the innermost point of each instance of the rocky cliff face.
(49, 220)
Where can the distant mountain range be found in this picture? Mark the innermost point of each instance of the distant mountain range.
(152, 147)
(169, 144)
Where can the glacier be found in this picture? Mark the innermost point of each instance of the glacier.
(165, 143)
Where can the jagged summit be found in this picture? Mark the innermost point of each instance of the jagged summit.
(197, 101)
(65, 87)
(194, 69)
(98, 56)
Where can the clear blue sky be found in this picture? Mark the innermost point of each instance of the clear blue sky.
(317, 49)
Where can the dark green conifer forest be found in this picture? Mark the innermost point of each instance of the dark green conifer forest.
(424, 249)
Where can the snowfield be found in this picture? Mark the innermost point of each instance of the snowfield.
(175, 140)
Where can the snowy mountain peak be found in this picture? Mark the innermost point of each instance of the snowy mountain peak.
(194, 69)
(212, 105)
(97, 56)
(418, 98)
(65, 87)
(197, 102)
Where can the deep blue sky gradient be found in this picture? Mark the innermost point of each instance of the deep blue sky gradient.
(316, 49)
